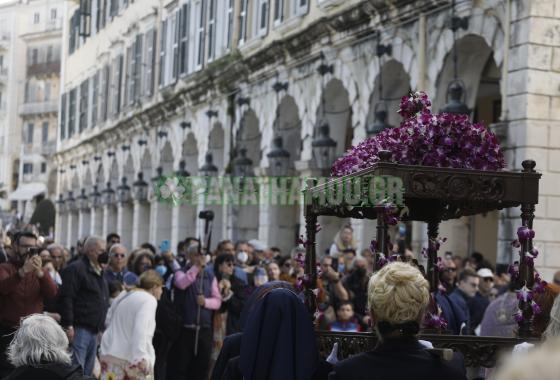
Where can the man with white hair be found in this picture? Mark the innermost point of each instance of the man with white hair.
(84, 300)
(116, 270)
(39, 350)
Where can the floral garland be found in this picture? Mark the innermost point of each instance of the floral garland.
(424, 138)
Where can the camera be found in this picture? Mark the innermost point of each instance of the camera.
(206, 215)
(32, 251)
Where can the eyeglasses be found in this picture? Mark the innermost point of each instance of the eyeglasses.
(489, 279)
(121, 255)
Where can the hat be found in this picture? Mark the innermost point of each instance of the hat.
(485, 273)
(257, 245)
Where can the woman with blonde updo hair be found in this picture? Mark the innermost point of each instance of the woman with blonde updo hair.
(398, 296)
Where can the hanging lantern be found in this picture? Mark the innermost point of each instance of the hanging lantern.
(380, 120)
(140, 188)
(71, 202)
(123, 191)
(182, 172)
(208, 169)
(455, 99)
(108, 195)
(83, 203)
(242, 165)
(324, 147)
(60, 204)
(279, 158)
(95, 197)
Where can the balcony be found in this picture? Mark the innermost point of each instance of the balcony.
(44, 69)
(38, 108)
(42, 27)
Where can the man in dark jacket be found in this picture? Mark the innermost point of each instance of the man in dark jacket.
(84, 300)
(24, 285)
(467, 287)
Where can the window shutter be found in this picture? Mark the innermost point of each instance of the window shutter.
(62, 117)
(138, 70)
(94, 95)
(148, 64)
(163, 40)
(184, 39)
(129, 75)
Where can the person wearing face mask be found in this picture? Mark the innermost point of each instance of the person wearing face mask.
(24, 285)
(84, 301)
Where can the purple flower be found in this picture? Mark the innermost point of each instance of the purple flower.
(524, 233)
(536, 308)
(513, 270)
(518, 317)
(515, 244)
(318, 228)
(373, 246)
(529, 261)
(435, 321)
(524, 294)
(381, 261)
(534, 252)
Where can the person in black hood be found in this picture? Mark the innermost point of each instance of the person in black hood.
(39, 350)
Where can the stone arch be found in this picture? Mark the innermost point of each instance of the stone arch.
(395, 84)
(249, 136)
(473, 52)
(189, 153)
(166, 158)
(288, 125)
(216, 145)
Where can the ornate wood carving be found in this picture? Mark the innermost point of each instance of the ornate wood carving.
(478, 351)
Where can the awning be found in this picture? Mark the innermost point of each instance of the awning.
(27, 191)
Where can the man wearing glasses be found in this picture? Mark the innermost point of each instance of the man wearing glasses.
(467, 287)
(448, 275)
(23, 287)
(481, 300)
(117, 264)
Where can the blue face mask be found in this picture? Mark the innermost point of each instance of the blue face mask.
(161, 269)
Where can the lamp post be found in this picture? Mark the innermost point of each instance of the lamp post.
(60, 203)
(279, 158)
(123, 192)
(140, 188)
(324, 147)
(108, 195)
(71, 202)
(242, 165)
(380, 110)
(456, 90)
(83, 203)
(208, 169)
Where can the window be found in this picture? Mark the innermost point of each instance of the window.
(34, 56)
(47, 91)
(116, 85)
(138, 67)
(84, 100)
(163, 48)
(301, 7)
(53, 14)
(94, 95)
(262, 17)
(49, 53)
(184, 38)
(43, 167)
(45, 132)
(27, 168)
(200, 34)
(36, 18)
(63, 117)
(229, 24)
(29, 133)
(128, 77)
(1, 61)
(72, 113)
(211, 29)
(278, 11)
(105, 86)
(243, 21)
(149, 62)
(174, 37)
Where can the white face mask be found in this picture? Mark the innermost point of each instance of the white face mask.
(242, 257)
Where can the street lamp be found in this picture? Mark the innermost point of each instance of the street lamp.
(140, 188)
(60, 203)
(242, 165)
(279, 158)
(83, 200)
(182, 172)
(208, 169)
(324, 147)
(108, 195)
(456, 90)
(95, 197)
(123, 191)
(380, 111)
(71, 202)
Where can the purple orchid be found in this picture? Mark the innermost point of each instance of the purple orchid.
(373, 246)
(435, 322)
(518, 316)
(524, 294)
(536, 308)
(524, 233)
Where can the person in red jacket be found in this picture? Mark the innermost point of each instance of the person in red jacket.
(24, 284)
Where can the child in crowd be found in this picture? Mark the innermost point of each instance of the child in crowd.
(345, 321)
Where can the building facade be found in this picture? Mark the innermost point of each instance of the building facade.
(31, 101)
(151, 87)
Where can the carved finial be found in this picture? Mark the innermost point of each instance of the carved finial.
(385, 156)
(529, 166)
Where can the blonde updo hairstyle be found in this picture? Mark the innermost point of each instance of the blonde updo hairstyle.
(398, 293)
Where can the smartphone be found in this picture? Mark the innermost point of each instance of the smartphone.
(165, 246)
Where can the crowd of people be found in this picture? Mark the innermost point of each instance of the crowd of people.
(235, 312)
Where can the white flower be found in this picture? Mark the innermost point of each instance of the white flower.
(171, 188)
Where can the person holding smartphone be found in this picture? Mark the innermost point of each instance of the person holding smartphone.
(24, 285)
